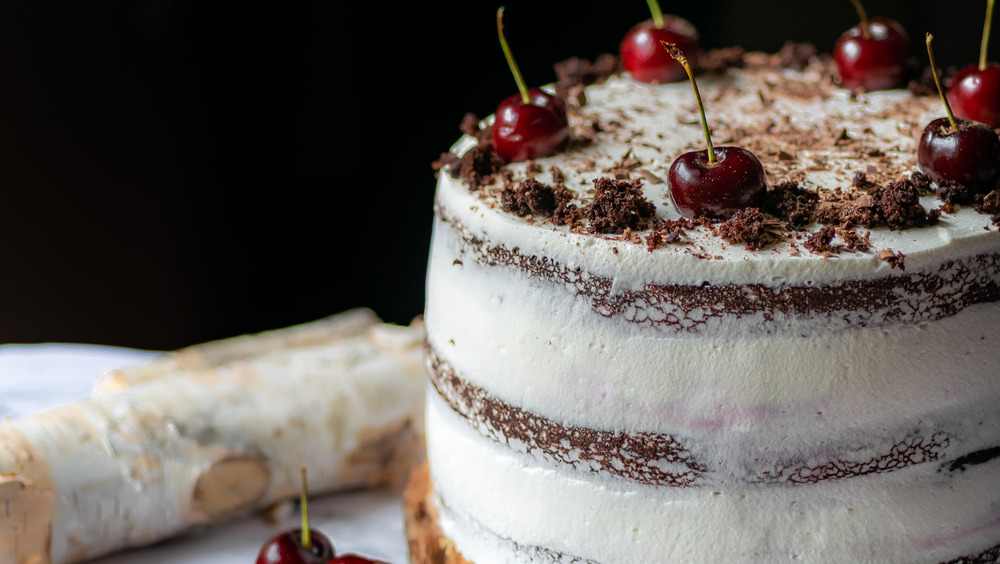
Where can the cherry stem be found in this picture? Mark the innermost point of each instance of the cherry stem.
(986, 35)
(306, 535)
(863, 16)
(937, 81)
(521, 87)
(678, 55)
(654, 8)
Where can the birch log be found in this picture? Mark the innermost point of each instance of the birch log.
(323, 332)
(148, 462)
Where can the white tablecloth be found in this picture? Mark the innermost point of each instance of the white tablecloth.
(34, 378)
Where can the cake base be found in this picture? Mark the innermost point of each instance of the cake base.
(427, 544)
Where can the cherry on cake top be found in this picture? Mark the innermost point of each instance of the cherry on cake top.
(713, 183)
(872, 55)
(640, 50)
(975, 91)
(959, 150)
(530, 124)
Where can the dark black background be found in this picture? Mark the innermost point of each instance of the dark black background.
(173, 172)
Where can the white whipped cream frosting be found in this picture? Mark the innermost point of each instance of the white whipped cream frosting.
(746, 395)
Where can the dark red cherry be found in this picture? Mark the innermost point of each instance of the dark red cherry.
(876, 60)
(353, 559)
(975, 94)
(734, 182)
(969, 155)
(644, 58)
(538, 128)
(530, 124)
(287, 548)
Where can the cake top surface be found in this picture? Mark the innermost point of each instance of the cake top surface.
(841, 171)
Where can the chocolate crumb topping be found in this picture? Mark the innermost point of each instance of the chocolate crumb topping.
(665, 231)
(478, 165)
(989, 204)
(952, 193)
(617, 205)
(792, 204)
(718, 60)
(575, 73)
(748, 226)
(897, 204)
(538, 199)
(895, 259)
(853, 241)
(821, 241)
(794, 55)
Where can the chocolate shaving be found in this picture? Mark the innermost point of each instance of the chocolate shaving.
(617, 205)
(895, 259)
(821, 241)
(667, 231)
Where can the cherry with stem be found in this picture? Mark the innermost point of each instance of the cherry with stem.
(959, 150)
(530, 124)
(640, 50)
(873, 55)
(298, 546)
(975, 90)
(716, 182)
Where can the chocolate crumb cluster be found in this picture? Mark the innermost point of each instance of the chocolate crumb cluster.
(534, 198)
(618, 205)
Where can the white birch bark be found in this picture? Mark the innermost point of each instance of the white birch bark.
(203, 356)
(156, 458)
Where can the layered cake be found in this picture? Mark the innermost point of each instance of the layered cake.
(817, 379)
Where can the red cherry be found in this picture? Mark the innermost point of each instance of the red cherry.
(875, 60)
(872, 55)
(716, 182)
(968, 155)
(538, 128)
(530, 124)
(958, 150)
(975, 94)
(353, 559)
(975, 91)
(287, 548)
(298, 546)
(734, 182)
(644, 58)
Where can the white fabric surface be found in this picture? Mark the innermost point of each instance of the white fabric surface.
(34, 378)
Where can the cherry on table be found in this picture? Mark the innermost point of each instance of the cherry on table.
(975, 91)
(872, 55)
(715, 182)
(288, 548)
(959, 150)
(531, 124)
(298, 546)
(644, 58)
